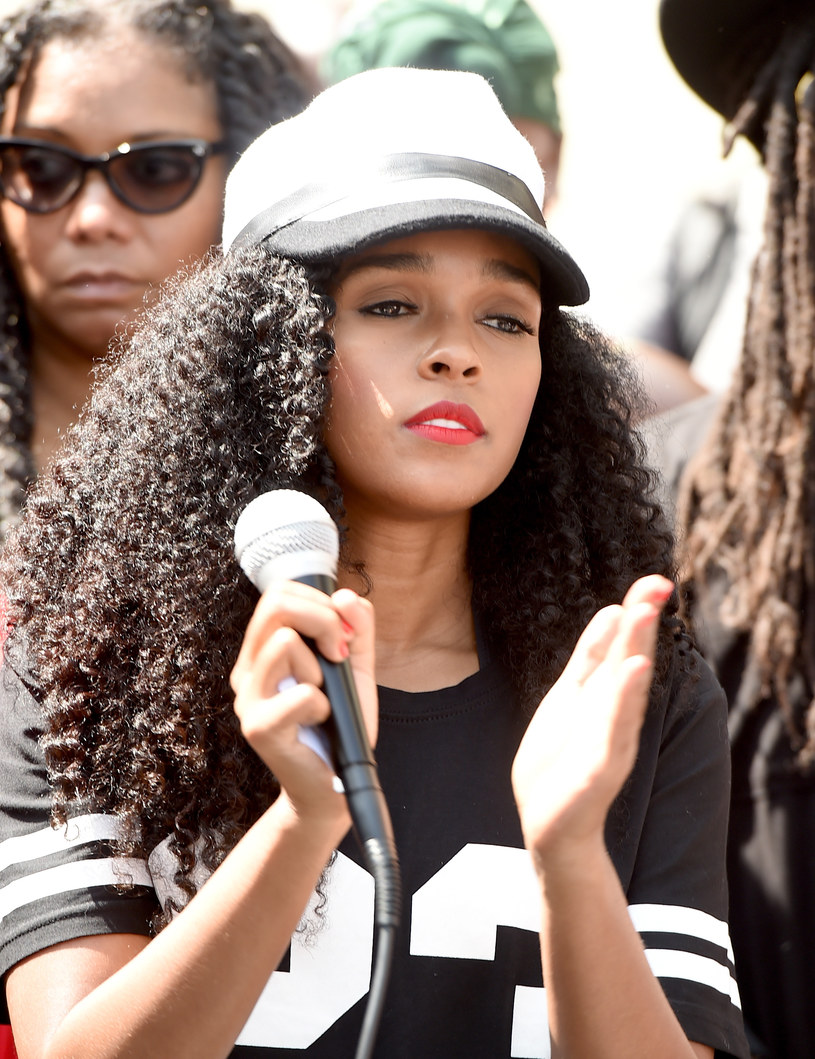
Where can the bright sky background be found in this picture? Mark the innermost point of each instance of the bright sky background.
(637, 141)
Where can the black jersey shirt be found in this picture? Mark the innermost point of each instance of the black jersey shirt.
(467, 975)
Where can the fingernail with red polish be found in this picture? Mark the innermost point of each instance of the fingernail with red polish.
(345, 650)
(346, 628)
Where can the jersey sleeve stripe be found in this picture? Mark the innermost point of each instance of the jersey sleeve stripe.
(80, 830)
(678, 919)
(672, 963)
(111, 871)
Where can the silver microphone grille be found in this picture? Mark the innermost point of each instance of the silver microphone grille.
(284, 535)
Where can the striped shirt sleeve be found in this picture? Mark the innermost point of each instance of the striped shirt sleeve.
(56, 884)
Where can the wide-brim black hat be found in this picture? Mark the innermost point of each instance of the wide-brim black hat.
(719, 46)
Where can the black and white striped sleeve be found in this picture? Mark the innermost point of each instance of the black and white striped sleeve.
(677, 892)
(55, 884)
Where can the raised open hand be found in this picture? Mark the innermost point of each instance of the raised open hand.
(582, 741)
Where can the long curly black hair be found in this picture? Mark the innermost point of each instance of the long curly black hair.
(128, 607)
(258, 82)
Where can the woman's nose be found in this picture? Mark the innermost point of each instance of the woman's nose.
(96, 213)
(451, 352)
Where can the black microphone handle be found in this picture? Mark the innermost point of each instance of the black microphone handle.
(351, 749)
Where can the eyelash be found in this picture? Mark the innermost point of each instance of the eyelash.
(381, 309)
(517, 324)
(377, 308)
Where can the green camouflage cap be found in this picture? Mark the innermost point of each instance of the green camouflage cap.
(503, 40)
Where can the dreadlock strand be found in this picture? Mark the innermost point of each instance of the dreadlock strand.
(805, 222)
(753, 105)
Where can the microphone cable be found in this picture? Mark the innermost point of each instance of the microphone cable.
(287, 535)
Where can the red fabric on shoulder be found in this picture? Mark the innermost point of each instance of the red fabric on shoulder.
(7, 1049)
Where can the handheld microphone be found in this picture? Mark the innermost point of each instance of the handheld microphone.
(288, 535)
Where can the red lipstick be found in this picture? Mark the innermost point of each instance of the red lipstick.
(447, 423)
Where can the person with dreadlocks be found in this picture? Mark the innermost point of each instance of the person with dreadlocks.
(119, 120)
(746, 509)
(165, 824)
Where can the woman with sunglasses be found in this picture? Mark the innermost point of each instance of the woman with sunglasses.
(119, 121)
(408, 364)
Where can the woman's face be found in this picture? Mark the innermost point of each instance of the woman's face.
(87, 267)
(436, 370)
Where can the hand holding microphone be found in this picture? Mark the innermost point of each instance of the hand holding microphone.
(279, 693)
(286, 536)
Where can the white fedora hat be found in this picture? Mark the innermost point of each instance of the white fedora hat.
(389, 152)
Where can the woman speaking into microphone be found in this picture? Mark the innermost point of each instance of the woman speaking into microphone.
(384, 333)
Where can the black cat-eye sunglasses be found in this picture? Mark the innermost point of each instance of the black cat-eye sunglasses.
(152, 177)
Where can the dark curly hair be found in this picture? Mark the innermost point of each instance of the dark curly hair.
(746, 506)
(128, 607)
(258, 82)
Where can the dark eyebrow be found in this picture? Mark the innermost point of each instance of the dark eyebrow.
(398, 262)
(34, 132)
(409, 262)
(501, 269)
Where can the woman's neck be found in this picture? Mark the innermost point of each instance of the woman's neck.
(425, 637)
(61, 378)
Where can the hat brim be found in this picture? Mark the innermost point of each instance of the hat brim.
(713, 42)
(562, 281)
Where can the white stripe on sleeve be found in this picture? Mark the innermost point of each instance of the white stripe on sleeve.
(93, 827)
(678, 919)
(79, 875)
(673, 963)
